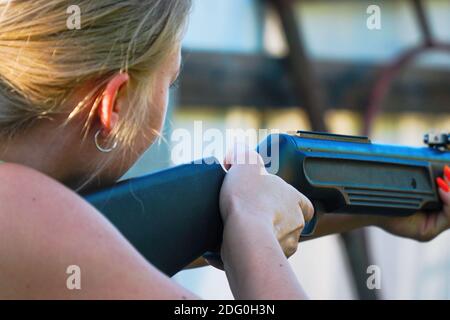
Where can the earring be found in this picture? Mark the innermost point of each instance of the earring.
(99, 147)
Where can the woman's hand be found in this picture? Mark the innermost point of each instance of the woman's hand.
(423, 226)
(261, 212)
(251, 195)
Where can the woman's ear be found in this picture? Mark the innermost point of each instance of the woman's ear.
(108, 111)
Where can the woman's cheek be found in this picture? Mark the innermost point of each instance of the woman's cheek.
(153, 124)
(159, 109)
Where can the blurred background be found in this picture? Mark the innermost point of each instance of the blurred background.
(322, 65)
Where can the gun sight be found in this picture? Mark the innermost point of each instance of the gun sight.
(439, 141)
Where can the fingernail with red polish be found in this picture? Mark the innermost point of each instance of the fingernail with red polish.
(447, 172)
(442, 184)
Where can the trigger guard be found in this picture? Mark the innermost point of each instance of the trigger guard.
(310, 226)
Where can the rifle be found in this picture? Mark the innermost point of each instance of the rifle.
(172, 217)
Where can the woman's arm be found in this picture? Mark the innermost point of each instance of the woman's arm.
(255, 264)
(263, 218)
(45, 228)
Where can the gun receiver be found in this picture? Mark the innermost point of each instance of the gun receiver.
(172, 217)
(346, 174)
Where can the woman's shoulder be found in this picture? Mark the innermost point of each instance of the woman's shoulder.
(33, 205)
(45, 228)
(25, 190)
(12, 175)
(36, 203)
(37, 215)
(10, 170)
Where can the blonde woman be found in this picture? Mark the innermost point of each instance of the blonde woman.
(77, 108)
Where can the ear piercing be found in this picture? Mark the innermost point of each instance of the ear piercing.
(103, 149)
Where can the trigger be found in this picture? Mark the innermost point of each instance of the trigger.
(310, 227)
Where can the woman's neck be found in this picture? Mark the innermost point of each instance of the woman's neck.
(46, 150)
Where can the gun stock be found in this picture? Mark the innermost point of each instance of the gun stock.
(172, 217)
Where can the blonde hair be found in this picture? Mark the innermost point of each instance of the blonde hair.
(42, 61)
